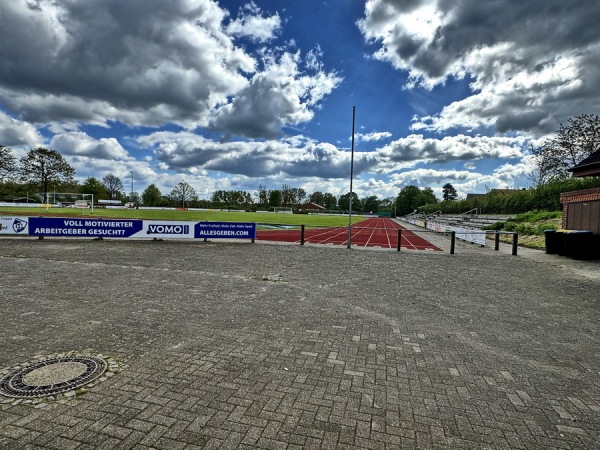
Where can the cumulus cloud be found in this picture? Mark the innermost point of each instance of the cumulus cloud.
(375, 136)
(252, 24)
(531, 64)
(416, 148)
(301, 158)
(15, 133)
(184, 151)
(150, 62)
(78, 143)
(277, 96)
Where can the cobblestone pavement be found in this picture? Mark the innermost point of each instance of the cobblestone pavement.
(235, 345)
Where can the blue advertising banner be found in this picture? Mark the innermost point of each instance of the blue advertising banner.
(225, 230)
(52, 226)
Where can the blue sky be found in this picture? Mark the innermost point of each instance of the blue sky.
(237, 94)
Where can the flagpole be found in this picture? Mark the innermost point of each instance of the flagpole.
(351, 176)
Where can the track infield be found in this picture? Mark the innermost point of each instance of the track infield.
(376, 232)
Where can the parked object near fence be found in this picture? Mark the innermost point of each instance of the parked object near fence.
(575, 244)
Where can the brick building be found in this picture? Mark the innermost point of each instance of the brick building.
(581, 209)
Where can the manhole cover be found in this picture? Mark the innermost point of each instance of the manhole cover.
(52, 376)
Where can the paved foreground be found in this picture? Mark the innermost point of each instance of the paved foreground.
(277, 346)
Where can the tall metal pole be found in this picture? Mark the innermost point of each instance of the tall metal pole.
(131, 195)
(351, 176)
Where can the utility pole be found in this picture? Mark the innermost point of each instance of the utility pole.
(351, 176)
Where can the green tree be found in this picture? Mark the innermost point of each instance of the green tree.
(286, 195)
(298, 196)
(329, 201)
(182, 193)
(275, 198)
(317, 197)
(8, 164)
(152, 196)
(113, 186)
(93, 186)
(263, 196)
(344, 202)
(46, 168)
(448, 192)
(370, 204)
(573, 142)
(411, 198)
(427, 196)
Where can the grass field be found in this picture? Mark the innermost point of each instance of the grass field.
(193, 216)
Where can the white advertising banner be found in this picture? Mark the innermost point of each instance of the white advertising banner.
(22, 205)
(14, 225)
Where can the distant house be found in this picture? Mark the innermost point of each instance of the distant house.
(311, 207)
(581, 209)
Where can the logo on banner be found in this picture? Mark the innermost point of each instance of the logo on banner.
(168, 229)
(19, 225)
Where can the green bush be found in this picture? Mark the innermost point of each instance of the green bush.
(495, 226)
(543, 200)
(543, 227)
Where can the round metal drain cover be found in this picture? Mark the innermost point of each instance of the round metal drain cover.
(52, 376)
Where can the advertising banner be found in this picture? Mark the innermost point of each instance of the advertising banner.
(14, 225)
(94, 228)
(167, 229)
(125, 228)
(225, 230)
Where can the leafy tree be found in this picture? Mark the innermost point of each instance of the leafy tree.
(371, 204)
(232, 199)
(134, 197)
(298, 195)
(428, 197)
(113, 186)
(411, 198)
(263, 196)
(317, 197)
(93, 186)
(182, 193)
(448, 192)
(8, 163)
(344, 202)
(275, 198)
(152, 196)
(329, 201)
(573, 142)
(46, 168)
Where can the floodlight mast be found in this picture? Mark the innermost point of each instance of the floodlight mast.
(351, 176)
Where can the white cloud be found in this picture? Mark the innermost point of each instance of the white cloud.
(252, 24)
(15, 133)
(519, 82)
(304, 161)
(274, 97)
(78, 143)
(374, 136)
(408, 151)
(153, 64)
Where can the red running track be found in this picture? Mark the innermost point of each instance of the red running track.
(376, 232)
